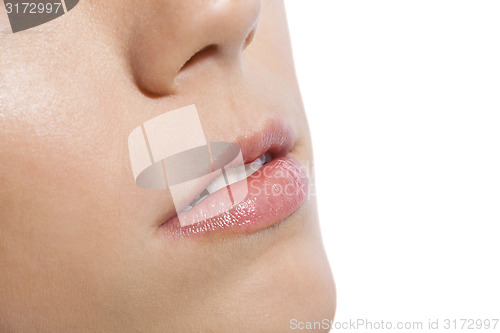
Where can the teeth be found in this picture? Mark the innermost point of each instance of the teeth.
(254, 166)
(236, 174)
(265, 158)
(217, 184)
(233, 175)
(202, 196)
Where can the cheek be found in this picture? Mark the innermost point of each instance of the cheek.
(61, 227)
(64, 228)
(62, 158)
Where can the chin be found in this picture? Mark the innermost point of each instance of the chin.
(289, 282)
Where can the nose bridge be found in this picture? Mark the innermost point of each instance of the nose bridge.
(177, 31)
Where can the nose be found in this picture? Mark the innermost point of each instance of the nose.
(172, 35)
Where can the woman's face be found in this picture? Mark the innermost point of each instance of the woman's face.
(82, 247)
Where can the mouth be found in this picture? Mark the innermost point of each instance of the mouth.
(233, 175)
(274, 182)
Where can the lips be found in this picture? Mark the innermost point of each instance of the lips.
(276, 185)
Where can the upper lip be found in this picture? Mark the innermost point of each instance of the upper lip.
(275, 137)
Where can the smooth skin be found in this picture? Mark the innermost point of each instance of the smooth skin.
(81, 247)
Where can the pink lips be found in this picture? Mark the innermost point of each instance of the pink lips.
(274, 192)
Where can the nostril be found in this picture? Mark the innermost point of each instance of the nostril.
(199, 56)
(249, 38)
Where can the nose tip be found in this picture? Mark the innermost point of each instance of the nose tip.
(177, 34)
(230, 23)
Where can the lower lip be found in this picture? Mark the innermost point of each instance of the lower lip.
(274, 192)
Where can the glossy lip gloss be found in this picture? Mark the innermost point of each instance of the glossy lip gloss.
(275, 191)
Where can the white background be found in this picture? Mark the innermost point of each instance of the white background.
(403, 100)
